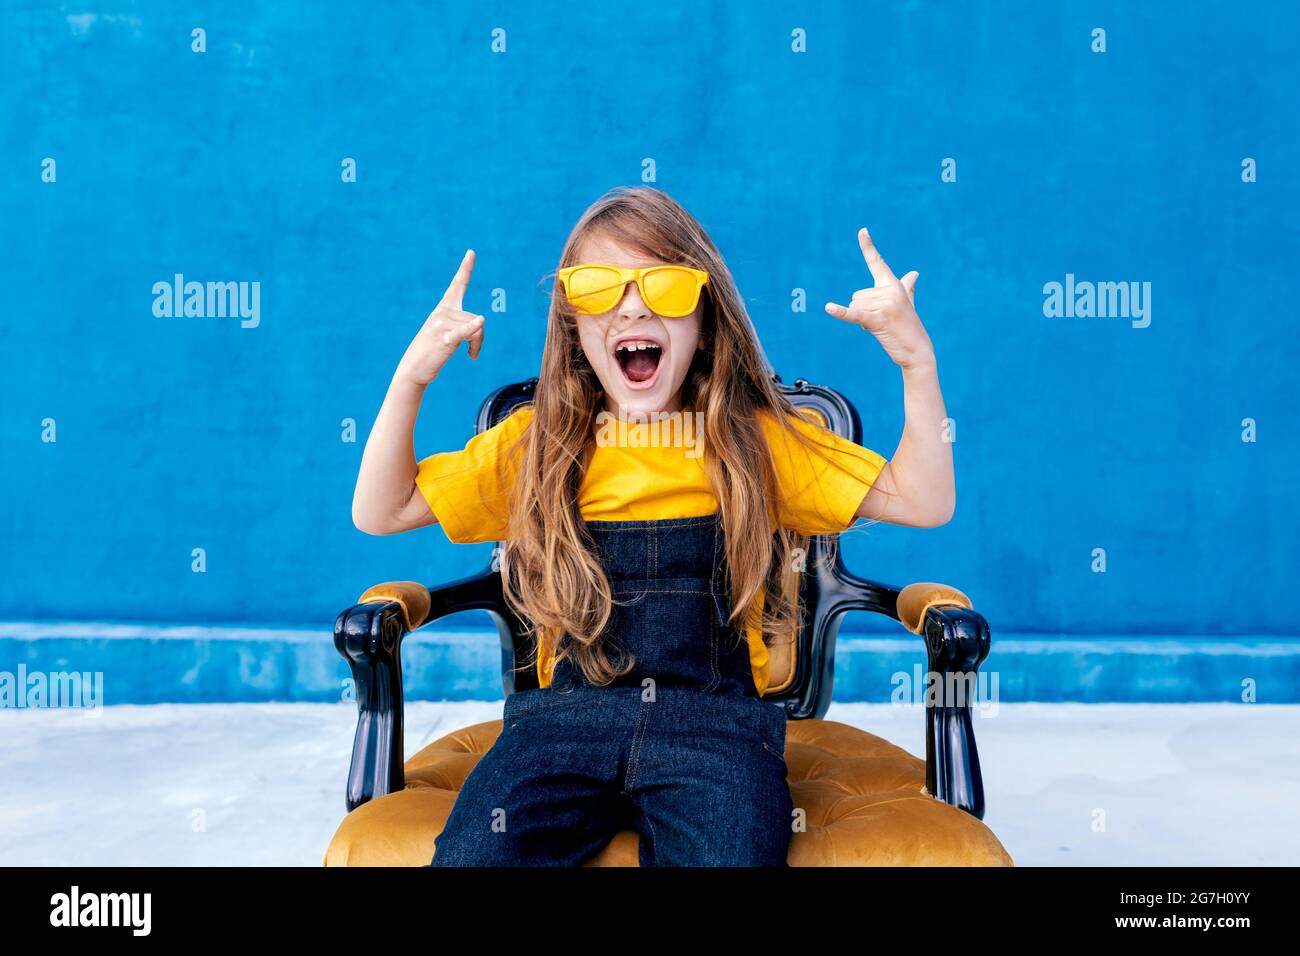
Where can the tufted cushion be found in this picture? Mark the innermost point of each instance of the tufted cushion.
(865, 801)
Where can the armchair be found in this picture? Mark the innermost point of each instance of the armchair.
(867, 801)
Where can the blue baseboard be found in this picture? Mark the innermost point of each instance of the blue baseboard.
(151, 664)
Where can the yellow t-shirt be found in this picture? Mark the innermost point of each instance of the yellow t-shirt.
(648, 474)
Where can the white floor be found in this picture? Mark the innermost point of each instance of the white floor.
(241, 784)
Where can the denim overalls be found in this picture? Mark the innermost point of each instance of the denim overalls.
(680, 749)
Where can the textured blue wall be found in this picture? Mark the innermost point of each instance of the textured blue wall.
(1072, 434)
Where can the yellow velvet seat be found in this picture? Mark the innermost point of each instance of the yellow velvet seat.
(864, 800)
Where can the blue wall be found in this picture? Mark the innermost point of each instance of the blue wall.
(1072, 434)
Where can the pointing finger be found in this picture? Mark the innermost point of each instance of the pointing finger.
(455, 294)
(879, 271)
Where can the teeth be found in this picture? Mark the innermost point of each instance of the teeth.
(635, 346)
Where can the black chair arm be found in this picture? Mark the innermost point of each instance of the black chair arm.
(369, 636)
(957, 641)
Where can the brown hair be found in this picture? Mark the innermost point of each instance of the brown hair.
(553, 580)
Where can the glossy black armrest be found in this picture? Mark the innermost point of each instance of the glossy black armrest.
(957, 641)
(369, 636)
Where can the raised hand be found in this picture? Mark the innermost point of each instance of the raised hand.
(887, 311)
(446, 327)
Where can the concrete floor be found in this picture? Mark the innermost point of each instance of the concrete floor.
(255, 784)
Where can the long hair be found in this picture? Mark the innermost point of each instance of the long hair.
(552, 579)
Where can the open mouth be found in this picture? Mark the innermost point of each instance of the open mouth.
(639, 361)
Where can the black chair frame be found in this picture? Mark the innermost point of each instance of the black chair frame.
(957, 641)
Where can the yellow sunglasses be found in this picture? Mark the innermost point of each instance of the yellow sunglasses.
(671, 291)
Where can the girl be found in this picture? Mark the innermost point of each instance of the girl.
(652, 572)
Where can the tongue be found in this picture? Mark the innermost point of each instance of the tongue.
(641, 365)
